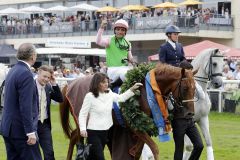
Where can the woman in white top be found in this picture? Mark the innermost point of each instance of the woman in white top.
(98, 105)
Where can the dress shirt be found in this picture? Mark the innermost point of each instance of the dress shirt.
(172, 44)
(100, 109)
(41, 91)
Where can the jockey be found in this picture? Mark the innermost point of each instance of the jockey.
(117, 49)
(172, 52)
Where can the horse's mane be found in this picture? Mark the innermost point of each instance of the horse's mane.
(203, 57)
(164, 70)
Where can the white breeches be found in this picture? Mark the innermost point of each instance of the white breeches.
(117, 72)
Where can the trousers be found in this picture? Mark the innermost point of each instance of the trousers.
(186, 126)
(98, 139)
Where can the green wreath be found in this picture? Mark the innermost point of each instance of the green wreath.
(134, 117)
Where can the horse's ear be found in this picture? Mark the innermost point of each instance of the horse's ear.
(216, 51)
(195, 71)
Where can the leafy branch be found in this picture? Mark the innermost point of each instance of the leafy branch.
(134, 117)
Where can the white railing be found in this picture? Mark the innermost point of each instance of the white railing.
(222, 91)
(63, 81)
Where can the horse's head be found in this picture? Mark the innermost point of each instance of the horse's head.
(210, 63)
(176, 82)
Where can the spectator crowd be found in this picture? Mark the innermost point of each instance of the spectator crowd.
(85, 21)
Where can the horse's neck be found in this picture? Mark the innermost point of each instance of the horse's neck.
(202, 81)
(203, 85)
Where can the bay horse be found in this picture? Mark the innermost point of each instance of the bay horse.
(210, 65)
(127, 143)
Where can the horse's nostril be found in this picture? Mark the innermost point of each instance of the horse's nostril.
(217, 85)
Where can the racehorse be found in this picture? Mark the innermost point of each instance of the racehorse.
(209, 64)
(169, 80)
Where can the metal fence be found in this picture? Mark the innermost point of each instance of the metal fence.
(227, 98)
(137, 25)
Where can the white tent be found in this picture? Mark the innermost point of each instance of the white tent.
(84, 52)
(57, 9)
(84, 7)
(10, 10)
(33, 9)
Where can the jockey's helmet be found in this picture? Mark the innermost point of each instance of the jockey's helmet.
(172, 29)
(121, 23)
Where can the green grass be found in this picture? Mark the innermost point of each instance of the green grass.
(224, 127)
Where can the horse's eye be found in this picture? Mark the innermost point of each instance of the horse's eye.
(214, 64)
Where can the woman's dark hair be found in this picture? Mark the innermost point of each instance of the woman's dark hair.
(96, 80)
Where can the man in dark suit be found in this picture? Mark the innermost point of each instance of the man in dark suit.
(47, 90)
(20, 112)
(172, 52)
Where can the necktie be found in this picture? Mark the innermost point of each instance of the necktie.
(42, 105)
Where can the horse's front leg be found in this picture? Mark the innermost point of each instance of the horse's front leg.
(204, 125)
(73, 140)
(148, 140)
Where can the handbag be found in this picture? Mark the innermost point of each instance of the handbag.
(83, 151)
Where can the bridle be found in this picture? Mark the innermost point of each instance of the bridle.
(211, 75)
(179, 102)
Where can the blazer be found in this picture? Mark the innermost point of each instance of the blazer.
(52, 93)
(169, 55)
(20, 112)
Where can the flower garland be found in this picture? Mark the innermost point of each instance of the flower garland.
(134, 117)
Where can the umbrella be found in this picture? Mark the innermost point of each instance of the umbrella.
(107, 9)
(134, 8)
(190, 2)
(166, 5)
(33, 9)
(84, 7)
(57, 9)
(10, 11)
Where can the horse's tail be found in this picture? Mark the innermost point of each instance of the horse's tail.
(64, 114)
